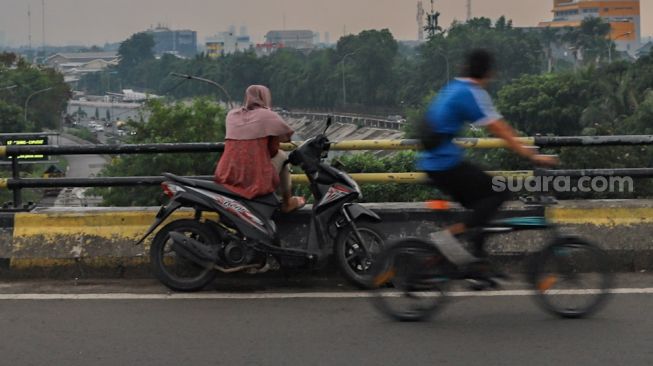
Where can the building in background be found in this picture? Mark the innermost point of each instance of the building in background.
(226, 43)
(645, 50)
(182, 43)
(74, 65)
(623, 16)
(297, 39)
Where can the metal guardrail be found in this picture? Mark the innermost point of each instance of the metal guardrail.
(16, 183)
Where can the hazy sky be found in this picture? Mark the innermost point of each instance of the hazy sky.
(100, 21)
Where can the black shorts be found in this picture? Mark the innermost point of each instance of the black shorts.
(471, 187)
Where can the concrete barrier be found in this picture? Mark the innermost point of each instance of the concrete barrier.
(101, 240)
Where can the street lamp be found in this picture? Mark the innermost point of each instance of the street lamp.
(610, 45)
(32, 95)
(344, 84)
(230, 102)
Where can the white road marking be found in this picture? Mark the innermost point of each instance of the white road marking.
(299, 295)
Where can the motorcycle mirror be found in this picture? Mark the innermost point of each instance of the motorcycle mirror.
(328, 124)
(337, 164)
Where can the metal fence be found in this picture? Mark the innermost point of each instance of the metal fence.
(16, 184)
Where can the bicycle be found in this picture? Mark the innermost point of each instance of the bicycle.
(559, 273)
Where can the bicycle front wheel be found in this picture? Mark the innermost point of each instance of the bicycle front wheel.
(572, 278)
(410, 280)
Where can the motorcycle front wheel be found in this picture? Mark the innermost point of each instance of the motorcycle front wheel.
(357, 248)
(173, 270)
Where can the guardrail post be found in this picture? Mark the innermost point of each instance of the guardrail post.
(15, 174)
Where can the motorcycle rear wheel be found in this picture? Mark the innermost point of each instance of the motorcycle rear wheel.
(174, 271)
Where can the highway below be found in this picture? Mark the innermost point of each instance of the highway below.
(138, 322)
(79, 166)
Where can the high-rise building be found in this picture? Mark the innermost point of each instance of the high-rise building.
(623, 16)
(179, 42)
(298, 39)
(225, 43)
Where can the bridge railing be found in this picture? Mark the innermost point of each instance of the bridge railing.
(16, 183)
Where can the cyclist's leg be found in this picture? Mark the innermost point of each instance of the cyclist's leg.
(483, 201)
(471, 187)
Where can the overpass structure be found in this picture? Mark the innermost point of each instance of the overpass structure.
(104, 237)
(354, 119)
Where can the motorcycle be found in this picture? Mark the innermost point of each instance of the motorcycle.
(187, 254)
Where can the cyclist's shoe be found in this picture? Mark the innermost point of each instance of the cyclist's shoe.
(480, 284)
(451, 248)
(482, 275)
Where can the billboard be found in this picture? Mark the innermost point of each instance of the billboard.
(26, 140)
(215, 49)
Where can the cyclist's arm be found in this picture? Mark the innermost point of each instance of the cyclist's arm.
(502, 130)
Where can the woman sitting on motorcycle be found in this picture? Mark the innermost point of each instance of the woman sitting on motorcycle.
(252, 164)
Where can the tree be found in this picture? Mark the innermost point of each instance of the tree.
(135, 51)
(44, 109)
(547, 104)
(517, 52)
(373, 55)
(200, 121)
(591, 39)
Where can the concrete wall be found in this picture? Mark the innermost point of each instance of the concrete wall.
(105, 237)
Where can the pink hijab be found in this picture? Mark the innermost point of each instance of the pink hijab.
(255, 120)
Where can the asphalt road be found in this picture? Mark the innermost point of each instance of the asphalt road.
(318, 328)
(79, 166)
(82, 166)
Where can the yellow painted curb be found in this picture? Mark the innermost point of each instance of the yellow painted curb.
(94, 262)
(609, 216)
(128, 225)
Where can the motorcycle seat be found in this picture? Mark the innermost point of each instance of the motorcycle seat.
(267, 200)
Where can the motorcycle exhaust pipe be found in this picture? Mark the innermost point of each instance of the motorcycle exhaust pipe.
(193, 250)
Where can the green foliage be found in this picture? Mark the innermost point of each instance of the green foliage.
(517, 52)
(134, 52)
(373, 54)
(200, 121)
(547, 103)
(45, 109)
(11, 118)
(591, 39)
(388, 192)
(84, 134)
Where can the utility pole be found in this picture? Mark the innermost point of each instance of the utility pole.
(469, 10)
(29, 26)
(43, 28)
(420, 21)
(432, 26)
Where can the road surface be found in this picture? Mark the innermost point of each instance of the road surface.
(79, 166)
(138, 323)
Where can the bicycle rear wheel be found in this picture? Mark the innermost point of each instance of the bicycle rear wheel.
(571, 278)
(410, 280)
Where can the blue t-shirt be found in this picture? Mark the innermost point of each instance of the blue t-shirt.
(458, 102)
